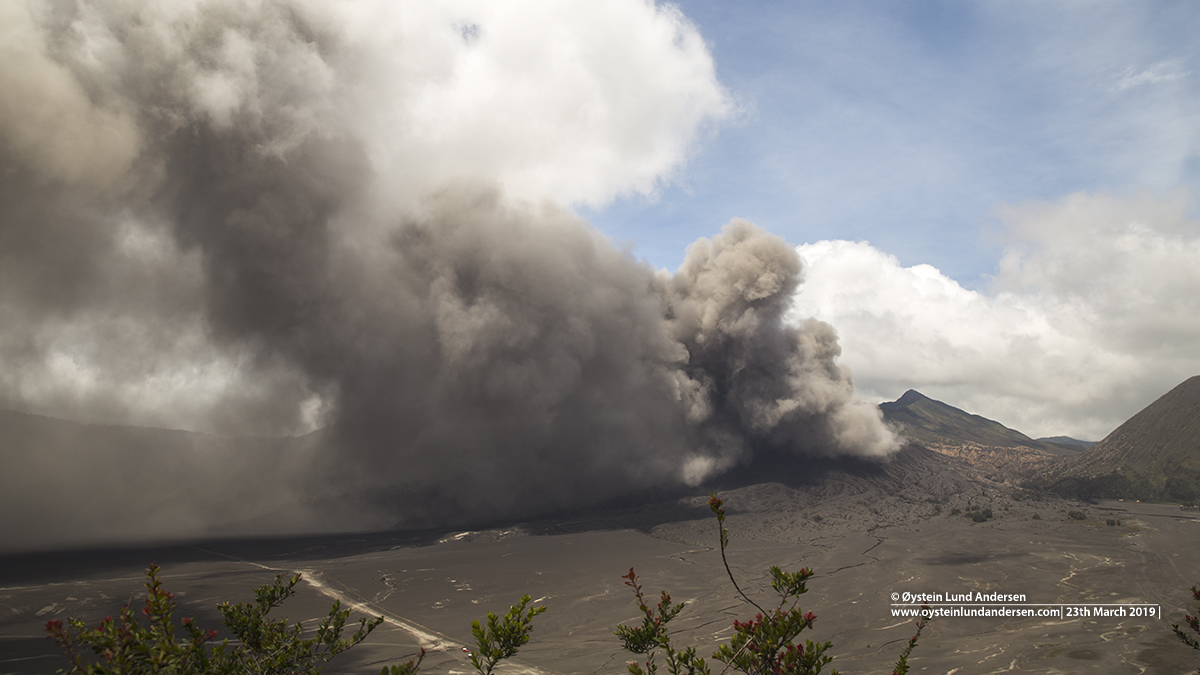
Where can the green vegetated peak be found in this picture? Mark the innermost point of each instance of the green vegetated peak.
(1155, 455)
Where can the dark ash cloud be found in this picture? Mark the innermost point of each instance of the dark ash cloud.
(228, 236)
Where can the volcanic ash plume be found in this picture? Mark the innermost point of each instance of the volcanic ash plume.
(206, 218)
(521, 362)
(778, 384)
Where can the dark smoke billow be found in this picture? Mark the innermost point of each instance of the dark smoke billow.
(197, 198)
(529, 364)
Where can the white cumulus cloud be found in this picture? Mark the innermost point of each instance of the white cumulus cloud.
(569, 101)
(1093, 313)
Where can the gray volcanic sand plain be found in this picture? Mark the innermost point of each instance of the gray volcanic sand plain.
(864, 545)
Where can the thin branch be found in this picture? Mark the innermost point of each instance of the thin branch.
(721, 532)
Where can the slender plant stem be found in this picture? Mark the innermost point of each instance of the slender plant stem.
(721, 538)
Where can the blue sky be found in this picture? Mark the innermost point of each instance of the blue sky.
(909, 124)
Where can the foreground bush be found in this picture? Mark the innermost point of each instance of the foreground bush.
(263, 645)
(502, 637)
(764, 644)
(1192, 622)
(767, 643)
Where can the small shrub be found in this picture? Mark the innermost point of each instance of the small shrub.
(124, 645)
(1037, 516)
(764, 644)
(1192, 622)
(980, 515)
(263, 645)
(501, 638)
(652, 635)
(1076, 515)
(1112, 522)
(902, 664)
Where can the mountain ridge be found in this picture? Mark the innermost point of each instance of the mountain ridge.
(1153, 456)
(930, 421)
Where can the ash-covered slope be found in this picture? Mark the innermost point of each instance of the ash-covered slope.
(782, 497)
(912, 468)
(1153, 456)
(985, 444)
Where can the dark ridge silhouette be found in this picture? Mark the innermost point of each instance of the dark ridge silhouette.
(1067, 443)
(925, 420)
